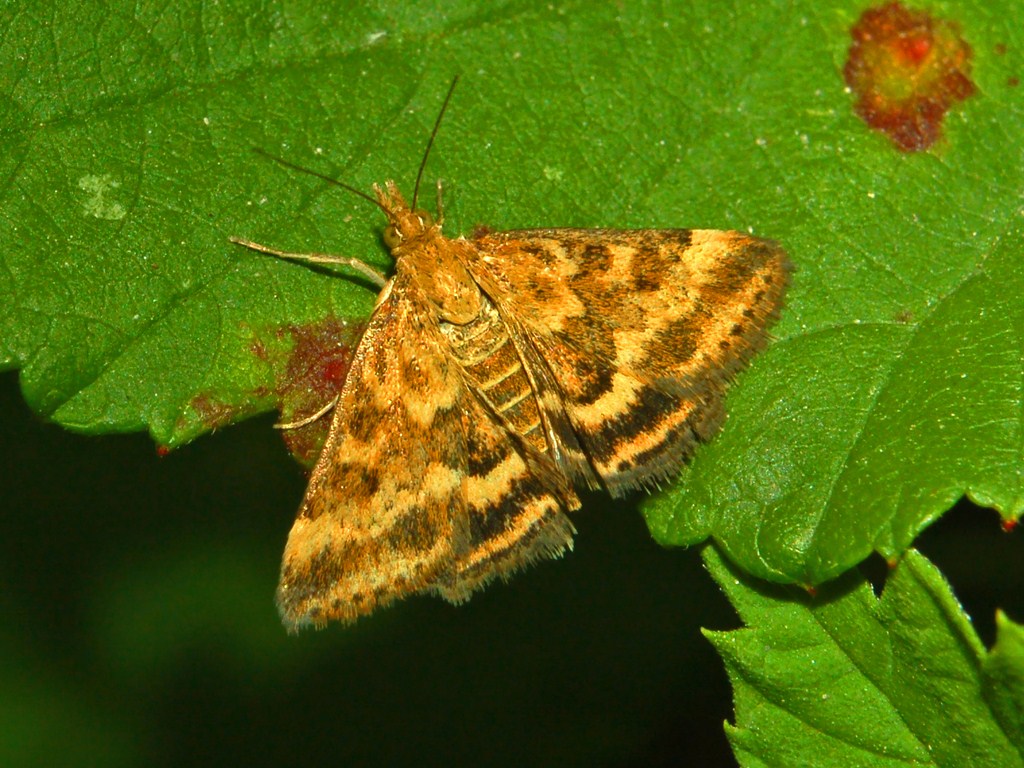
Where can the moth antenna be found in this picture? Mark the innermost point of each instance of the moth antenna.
(325, 177)
(430, 141)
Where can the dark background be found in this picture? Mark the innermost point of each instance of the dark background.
(139, 626)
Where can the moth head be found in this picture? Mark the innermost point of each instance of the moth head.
(404, 224)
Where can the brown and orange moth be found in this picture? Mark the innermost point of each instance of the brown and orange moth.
(499, 375)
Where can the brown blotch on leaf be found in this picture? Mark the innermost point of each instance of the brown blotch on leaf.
(309, 378)
(214, 413)
(907, 69)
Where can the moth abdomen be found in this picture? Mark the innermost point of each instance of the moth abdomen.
(486, 352)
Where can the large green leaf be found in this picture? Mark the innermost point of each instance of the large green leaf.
(895, 383)
(845, 678)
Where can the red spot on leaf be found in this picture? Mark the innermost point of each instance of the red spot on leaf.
(309, 378)
(1009, 526)
(162, 450)
(907, 70)
(914, 50)
(335, 370)
(308, 364)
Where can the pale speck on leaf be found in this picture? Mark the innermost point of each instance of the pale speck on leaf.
(553, 174)
(97, 204)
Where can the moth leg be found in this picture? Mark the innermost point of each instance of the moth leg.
(440, 204)
(372, 274)
(308, 419)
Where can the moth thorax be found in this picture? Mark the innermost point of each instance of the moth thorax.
(449, 287)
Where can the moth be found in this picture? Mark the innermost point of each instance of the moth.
(500, 375)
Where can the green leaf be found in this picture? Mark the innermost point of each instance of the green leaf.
(895, 383)
(895, 386)
(844, 678)
(1003, 679)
